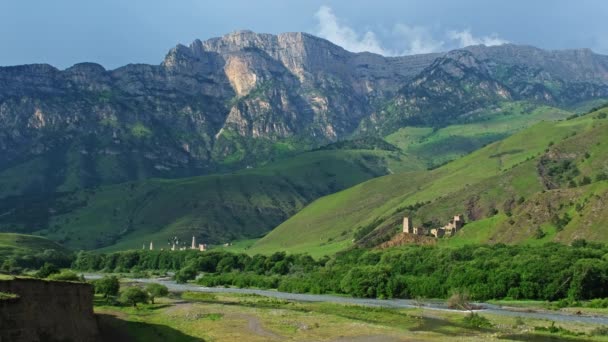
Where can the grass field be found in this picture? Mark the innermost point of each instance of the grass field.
(481, 184)
(238, 317)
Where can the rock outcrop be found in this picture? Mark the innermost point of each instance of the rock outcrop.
(224, 103)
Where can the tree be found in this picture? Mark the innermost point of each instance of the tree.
(185, 274)
(108, 286)
(46, 270)
(133, 295)
(156, 290)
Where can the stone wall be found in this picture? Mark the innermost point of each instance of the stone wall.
(47, 311)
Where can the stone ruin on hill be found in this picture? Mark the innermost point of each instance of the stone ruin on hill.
(454, 225)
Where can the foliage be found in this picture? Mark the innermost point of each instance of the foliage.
(474, 272)
(133, 295)
(65, 275)
(459, 300)
(553, 329)
(185, 274)
(107, 286)
(46, 270)
(7, 295)
(475, 320)
(20, 252)
(156, 290)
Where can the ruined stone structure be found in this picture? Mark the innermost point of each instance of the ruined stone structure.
(420, 231)
(151, 246)
(47, 311)
(408, 227)
(202, 247)
(193, 242)
(438, 232)
(455, 224)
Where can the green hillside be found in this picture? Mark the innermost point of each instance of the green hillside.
(439, 145)
(511, 190)
(28, 251)
(215, 208)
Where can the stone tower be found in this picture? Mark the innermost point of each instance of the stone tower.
(458, 221)
(193, 242)
(151, 245)
(408, 228)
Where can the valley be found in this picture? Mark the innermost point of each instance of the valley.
(272, 187)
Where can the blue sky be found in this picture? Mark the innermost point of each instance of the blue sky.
(117, 32)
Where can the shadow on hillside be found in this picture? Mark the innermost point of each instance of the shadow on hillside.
(114, 329)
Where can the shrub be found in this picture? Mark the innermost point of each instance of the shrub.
(46, 270)
(585, 181)
(477, 321)
(539, 234)
(133, 295)
(600, 331)
(7, 295)
(65, 275)
(156, 290)
(459, 300)
(599, 303)
(185, 274)
(107, 286)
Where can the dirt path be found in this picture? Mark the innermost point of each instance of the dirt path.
(254, 324)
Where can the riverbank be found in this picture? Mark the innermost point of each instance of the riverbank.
(497, 308)
(227, 316)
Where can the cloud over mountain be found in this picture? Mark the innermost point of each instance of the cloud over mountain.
(403, 39)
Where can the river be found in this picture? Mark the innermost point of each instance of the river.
(385, 303)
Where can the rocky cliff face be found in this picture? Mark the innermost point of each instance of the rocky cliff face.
(47, 311)
(236, 100)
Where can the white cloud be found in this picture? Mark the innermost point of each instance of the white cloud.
(404, 39)
(418, 39)
(331, 29)
(465, 38)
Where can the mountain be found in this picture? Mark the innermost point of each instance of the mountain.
(87, 149)
(546, 183)
(215, 208)
(247, 98)
(461, 83)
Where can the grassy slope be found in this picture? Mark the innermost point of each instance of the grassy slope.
(490, 178)
(21, 245)
(216, 208)
(437, 146)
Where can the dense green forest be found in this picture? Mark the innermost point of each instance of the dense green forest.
(548, 272)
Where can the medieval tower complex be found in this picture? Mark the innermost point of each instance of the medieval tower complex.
(454, 225)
